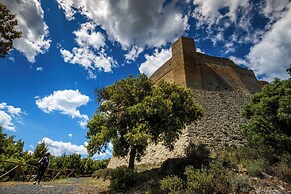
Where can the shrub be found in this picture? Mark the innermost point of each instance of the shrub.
(197, 155)
(171, 184)
(122, 178)
(240, 184)
(221, 176)
(173, 166)
(199, 180)
(101, 173)
(255, 168)
(283, 168)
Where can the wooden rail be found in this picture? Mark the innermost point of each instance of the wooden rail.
(31, 178)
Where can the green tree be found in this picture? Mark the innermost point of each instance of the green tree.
(134, 112)
(7, 31)
(269, 114)
(40, 150)
(10, 147)
(10, 150)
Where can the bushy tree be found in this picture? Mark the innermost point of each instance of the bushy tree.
(40, 150)
(9, 146)
(10, 150)
(269, 114)
(134, 112)
(7, 31)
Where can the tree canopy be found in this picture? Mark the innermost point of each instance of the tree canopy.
(7, 31)
(269, 114)
(134, 112)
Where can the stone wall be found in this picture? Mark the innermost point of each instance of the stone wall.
(218, 127)
(219, 86)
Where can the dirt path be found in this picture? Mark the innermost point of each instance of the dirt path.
(70, 185)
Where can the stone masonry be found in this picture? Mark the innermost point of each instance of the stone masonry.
(218, 85)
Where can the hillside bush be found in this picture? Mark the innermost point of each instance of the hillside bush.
(172, 184)
(255, 167)
(122, 178)
(199, 180)
(102, 173)
(240, 184)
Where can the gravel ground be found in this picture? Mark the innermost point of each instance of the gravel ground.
(72, 185)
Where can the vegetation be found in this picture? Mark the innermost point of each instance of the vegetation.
(269, 114)
(7, 32)
(122, 178)
(231, 170)
(134, 112)
(12, 150)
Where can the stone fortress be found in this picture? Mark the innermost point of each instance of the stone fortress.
(219, 86)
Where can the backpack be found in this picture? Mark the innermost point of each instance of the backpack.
(43, 162)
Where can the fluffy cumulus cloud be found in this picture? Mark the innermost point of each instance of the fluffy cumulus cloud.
(153, 62)
(90, 52)
(9, 113)
(59, 148)
(270, 51)
(133, 22)
(272, 55)
(29, 15)
(66, 102)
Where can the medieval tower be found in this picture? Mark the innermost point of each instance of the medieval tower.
(219, 86)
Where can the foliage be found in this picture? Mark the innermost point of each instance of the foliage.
(7, 31)
(199, 180)
(171, 184)
(10, 150)
(240, 184)
(102, 173)
(269, 114)
(221, 174)
(40, 150)
(255, 167)
(133, 112)
(122, 178)
(197, 155)
(173, 166)
(282, 169)
(90, 165)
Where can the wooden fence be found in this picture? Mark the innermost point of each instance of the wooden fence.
(54, 173)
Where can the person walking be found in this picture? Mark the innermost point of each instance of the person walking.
(43, 163)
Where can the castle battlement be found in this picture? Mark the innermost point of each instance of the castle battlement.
(219, 86)
(204, 72)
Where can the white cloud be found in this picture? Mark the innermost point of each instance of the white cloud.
(273, 9)
(70, 135)
(59, 148)
(9, 113)
(87, 37)
(66, 102)
(133, 54)
(238, 61)
(39, 69)
(131, 22)
(208, 14)
(90, 52)
(153, 62)
(210, 9)
(30, 17)
(272, 55)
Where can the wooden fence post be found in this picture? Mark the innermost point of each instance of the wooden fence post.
(9, 171)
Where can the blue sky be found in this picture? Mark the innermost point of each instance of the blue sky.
(69, 48)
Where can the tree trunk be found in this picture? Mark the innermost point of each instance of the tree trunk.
(132, 154)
